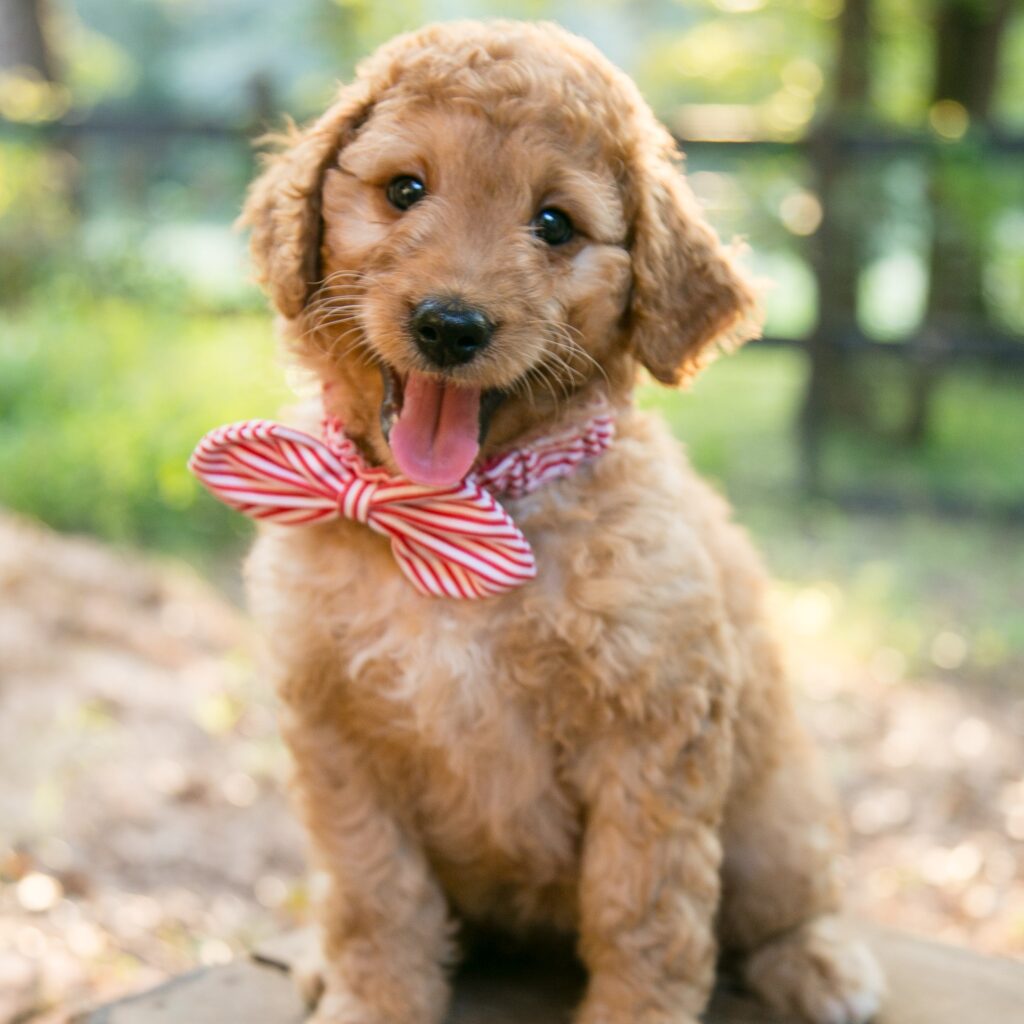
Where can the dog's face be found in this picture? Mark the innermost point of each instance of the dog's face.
(485, 226)
(484, 265)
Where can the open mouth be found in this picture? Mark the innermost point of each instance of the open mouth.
(434, 427)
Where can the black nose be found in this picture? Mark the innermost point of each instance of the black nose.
(448, 332)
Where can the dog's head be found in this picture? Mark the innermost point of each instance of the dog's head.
(488, 223)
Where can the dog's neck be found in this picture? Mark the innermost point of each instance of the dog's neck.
(544, 454)
(573, 415)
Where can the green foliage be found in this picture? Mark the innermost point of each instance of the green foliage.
(901, 70)
(768, 56)
(101, 401)
(364, 24)
(735, 420)
(738, 422)
(34, 214)
(1010, 98)
(972, 455)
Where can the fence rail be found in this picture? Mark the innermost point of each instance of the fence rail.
(875, 141)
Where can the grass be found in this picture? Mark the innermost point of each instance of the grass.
(101, 401)
(103, 396)
(738, 422)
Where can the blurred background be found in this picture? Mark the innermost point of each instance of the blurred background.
(872, 154)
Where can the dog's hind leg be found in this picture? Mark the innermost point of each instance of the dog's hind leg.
(819, 972)
(781, 891)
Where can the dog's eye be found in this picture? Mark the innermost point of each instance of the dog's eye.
(404, 191)
(552, 226)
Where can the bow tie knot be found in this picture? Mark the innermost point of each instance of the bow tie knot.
(450, 542)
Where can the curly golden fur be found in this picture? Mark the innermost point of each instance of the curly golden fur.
(609, 751)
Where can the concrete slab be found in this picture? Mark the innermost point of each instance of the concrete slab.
(929, 984)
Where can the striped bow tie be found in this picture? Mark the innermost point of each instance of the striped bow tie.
(450, 542)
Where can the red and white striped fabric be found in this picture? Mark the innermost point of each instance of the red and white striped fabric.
(523, 470)
(450, 542)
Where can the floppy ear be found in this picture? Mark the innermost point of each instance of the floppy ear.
(687, 292)
(283, 204)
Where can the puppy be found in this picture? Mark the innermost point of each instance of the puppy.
(474, 250)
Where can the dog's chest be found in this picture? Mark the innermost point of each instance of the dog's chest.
(471, 759)
(468, 748)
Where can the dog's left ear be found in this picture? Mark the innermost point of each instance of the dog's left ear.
(687, 292)
(283, 204)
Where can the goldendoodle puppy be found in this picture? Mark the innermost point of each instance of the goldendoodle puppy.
(521, 648)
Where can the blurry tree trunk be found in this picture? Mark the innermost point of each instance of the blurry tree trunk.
(968, 40)
(22, 42)
(832, 389)
(969, 35)
(25, 49)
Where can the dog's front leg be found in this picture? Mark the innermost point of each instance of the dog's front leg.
(649, 882)
(384, 922)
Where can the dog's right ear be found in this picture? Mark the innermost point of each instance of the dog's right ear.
(283, 204)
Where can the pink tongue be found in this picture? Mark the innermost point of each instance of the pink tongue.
(434, 439)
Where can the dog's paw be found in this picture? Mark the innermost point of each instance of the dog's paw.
(308, 974)
(340, 1008)
(327, 1014)
(819, 973)
(336, 1003)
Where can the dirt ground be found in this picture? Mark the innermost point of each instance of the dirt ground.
(143, 828)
